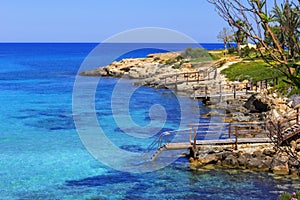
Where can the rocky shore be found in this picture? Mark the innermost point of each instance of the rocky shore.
(137, 68)
(283, 160)
(262, 157)
(152, 70)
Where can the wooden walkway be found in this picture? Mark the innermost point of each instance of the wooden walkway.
(280, 133)
(223, 134)
(208, 87)
(204, 74)
(219, 90)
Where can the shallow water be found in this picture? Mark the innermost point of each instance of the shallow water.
(42, 156)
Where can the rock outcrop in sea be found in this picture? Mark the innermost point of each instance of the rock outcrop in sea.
(150, 71)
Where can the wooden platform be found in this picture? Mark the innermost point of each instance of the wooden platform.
(202, 96)
(234, 141)
(186, 145)
(175, 146)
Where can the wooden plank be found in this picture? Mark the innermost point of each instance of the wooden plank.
(186, 145)
(218, 95)
(175, 146)
(232, 141)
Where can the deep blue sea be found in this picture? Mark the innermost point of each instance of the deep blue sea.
(42, 155)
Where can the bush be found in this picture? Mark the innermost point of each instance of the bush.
(174, 60)
(250, 70)
(176, 67)
(249, 53)
(215, 56)
(292, 196)
(190, 53)
(231, 50)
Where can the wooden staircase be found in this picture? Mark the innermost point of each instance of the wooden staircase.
(284, 131)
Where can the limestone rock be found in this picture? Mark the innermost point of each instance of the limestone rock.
(279, 165)
(243, 159)
(269, 152)
(240, 117)
(230, 161)
(209, 159)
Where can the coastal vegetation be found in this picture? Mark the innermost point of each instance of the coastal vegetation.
(274, 29)
(191, 55)
(247, 70)
(291, 196)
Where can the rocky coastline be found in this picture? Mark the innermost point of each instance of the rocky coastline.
(258, 157)
(150, 71)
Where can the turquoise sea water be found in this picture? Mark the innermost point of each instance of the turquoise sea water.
(42, 156)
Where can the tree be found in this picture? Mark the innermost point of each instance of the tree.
(259, 22)
(240, 36)
(225, 36)
(289, 20)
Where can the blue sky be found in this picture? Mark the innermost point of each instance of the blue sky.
(96, 20)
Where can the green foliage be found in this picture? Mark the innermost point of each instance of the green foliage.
(176, 67)
(190, 53)
(249, 53)
(215, 56)
(231, 50)
(279, 24)
(174, 60)
(292, 196)
(255, 70)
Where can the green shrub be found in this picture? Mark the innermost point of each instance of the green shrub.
(231, 50)
(249, 53)
(174, 60)
(190, 53)
(176, 67)
(215, 56)
(255, 70)
(292, 196)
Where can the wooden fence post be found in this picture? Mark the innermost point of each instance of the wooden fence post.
(236, 138)
(220, 91)
(234, 91)
(176, 77)
(195, 143)
(298, 113)
(229, 130)
(261, 85)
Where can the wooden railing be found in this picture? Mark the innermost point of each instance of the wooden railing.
(189, 77)
(228, 130)
(219, 89)
(281, 131)
(232, 133)
(262, 84)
